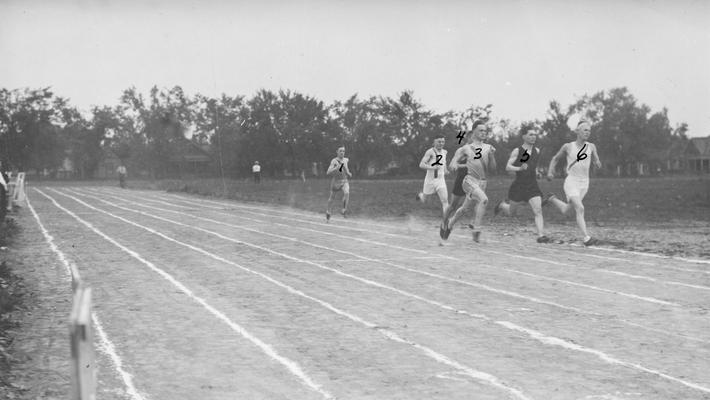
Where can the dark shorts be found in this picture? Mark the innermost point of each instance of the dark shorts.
(523, 192)
(458, 183)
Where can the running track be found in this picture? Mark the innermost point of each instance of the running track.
(205, 299)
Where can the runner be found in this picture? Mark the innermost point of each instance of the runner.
(580, 154)
(340, 172)
(524, 189)
(121, 175)
(434, 162)
(457, 193)
(480, 160)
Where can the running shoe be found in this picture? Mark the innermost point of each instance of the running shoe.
(496, 209)
(445, 230)
(471, 227)
(343, 213)
(590, 242)
(477, 236)
(419, 197)
(327, 216)
(543, 239)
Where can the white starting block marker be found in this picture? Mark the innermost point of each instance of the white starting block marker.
(83, 368)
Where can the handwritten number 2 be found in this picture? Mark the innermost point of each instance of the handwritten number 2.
(438, 160)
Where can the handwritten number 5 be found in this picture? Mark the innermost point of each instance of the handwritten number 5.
(525, 157)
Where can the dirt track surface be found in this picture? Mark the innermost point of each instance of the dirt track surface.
(206, 299)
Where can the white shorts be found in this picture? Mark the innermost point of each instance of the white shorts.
(435, 186)
(576, 187)
(475, 189)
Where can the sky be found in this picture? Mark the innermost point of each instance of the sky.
(517, 55)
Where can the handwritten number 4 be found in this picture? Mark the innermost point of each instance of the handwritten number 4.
(460, 136)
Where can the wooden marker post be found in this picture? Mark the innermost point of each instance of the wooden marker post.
(83, 368)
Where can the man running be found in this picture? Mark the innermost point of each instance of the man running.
(580, 155)
(434, 162)
(340, 172)
(479, 160)
(524, 189)
(457, 193)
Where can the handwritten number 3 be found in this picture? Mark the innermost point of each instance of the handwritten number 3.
(478, 153)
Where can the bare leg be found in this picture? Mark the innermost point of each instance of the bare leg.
(579, 213)
(561, 205)
(460, 212)
(480, 209)
(346, 200)
(536, 204)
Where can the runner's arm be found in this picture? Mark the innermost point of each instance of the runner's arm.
(347, 168)
(511, 160)
(424, 163)
(595, 157)
(454, 164)
(334, 165)
(555, 159)
(492, 165)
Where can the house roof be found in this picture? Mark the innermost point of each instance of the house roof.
(189, 151)
(699, 147)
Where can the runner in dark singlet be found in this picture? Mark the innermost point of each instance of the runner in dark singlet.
(523, 161)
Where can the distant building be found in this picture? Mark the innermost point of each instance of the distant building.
(189, 158)
(697, 155)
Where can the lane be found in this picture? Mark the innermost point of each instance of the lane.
(636, 270)
(691, 321)
(140, 307)
(395, 346)
(397, 227)
(521, 330)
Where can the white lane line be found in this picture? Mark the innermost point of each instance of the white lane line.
(646, 278)
(467, 283)
(473, 373)
(290, 365)
(107, 346)
(543, 277)
(359, 257)
(233, 204)
(536, 335)
(375, 242)
(536, 249)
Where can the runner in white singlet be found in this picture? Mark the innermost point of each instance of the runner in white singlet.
(579, 154)
(434, 162)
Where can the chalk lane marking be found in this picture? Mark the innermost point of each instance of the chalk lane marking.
(310, 221)
(480, 286)
(469, 371)
(544, 277)
(350, 221)
(290, 365)
(107, 346)
(538, 336)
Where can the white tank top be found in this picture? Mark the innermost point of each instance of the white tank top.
(578, 169)
(431, 156)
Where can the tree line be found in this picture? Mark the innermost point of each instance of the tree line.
(289, 131)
